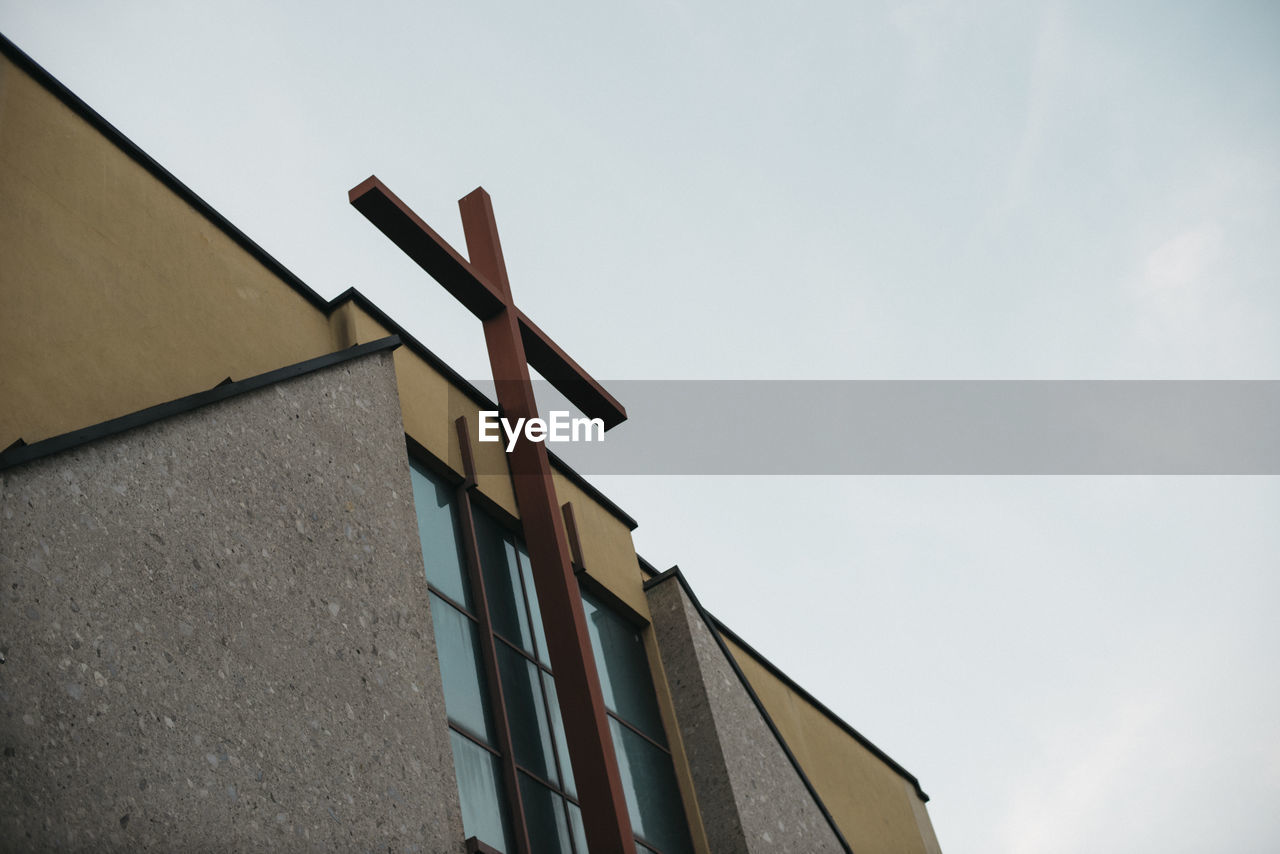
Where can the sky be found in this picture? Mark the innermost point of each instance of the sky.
(880, 190)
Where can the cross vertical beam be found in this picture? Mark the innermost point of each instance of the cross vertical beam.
(585, 723)
(482, 285)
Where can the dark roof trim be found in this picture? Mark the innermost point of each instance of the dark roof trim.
(655, 577)
(478, 397)
(26, 453)
(648, 568)
(674, 572)
(389, 323)
(164, 176)
(592, 492)
(167, 178)
(813, 701)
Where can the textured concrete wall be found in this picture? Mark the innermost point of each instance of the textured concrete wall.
(750, 796)
(216, 634)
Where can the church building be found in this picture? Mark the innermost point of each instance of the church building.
(263, 589)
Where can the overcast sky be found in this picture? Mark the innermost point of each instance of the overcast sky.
(915, 190)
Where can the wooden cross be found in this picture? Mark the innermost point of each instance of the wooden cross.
(515, 344)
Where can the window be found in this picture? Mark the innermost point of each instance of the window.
(514, 776)
(639, 740)
(477, 759)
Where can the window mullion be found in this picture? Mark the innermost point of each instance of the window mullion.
(474, 739)
(471, 553)
(639, 732)
(542, 690)
(457, 606)
(538, 778)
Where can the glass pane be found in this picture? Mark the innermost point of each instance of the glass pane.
(557, 732)
(484, 808)
(526, 714)
(461, 670)
(575, 827)
(438, 531)
(539, 635)
(502, 581)
(544, 817)
(624, 669)
(649, 783)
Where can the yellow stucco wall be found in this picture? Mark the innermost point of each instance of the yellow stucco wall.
(117, 295)
(872, 804)
(607, 550)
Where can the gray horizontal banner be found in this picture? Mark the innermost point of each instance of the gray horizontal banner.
(926, 427)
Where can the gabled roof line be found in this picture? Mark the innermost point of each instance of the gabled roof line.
(59, 90)
(675, 573)
(817, 704)
(655, 575)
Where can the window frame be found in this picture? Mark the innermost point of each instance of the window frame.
(466, 499)
(489, 638)
(605, 599)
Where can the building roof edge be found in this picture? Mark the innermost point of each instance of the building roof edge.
(113, 134)
(656, 577)
(675, 573)
(353, 294)
(130, 149)
(18, 454)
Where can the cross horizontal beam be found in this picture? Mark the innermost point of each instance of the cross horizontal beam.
(483, 298)
(429, 250)
(556, 366)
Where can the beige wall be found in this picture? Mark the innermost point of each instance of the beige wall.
(878, 811)
(117, 295)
